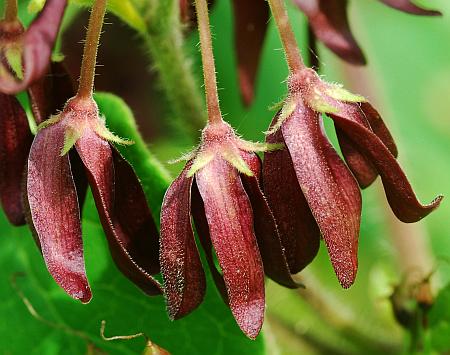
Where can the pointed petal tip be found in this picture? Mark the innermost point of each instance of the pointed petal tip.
(425, 211)
(250, 317)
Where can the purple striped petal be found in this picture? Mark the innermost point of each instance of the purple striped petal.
(328, 19)
(230, 220)
(55, 213)
(126, 235)
(399, 192)
(184, 279)
(299, 233)
(15, 143)
(408, 7)
(330, 189)
(269, 243)
(37, 42)
(250, 26)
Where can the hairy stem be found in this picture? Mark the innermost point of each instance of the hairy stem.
(209, 68)
(87, 75)
(164, 40)
(11, 10)
(293, 57)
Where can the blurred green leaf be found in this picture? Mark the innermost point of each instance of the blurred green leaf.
(63, 325)
(439, 318)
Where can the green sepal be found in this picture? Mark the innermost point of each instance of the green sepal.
(287, 110)
(71, 135)
(200, 161)
(235, 159)
(249, 146)
(107, 135)
(13, 56)
(51, 121)
(337, 92)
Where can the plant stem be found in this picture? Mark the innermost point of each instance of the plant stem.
(87, 74)
(11, 10)
(293, 57)
(209, 69)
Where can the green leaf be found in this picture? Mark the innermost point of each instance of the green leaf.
(439, 318)
(62, 325)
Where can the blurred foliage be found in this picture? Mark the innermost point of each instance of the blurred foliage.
(408, 76)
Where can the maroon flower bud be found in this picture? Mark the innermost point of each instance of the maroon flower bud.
(251, 18)
(120, 200)
(329, 22)
(25, 56)
(15, 142)
(322, 181)
(220, 186)
(409, 7)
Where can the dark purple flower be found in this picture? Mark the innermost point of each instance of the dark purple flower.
(329, 22)
(219, 188)
(312, 192)
(120, 200)
(25, 55)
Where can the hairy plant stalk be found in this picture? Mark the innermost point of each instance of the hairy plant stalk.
(11, 10)
(87, 74)
(165, 43)
(293, 57)
(209, 69)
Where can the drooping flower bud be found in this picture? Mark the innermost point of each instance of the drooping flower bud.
(120, 200)
(220, 185)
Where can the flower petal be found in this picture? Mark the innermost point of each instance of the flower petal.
(330, 189)
(15, 143)
(126, 235)
(328, 19)
(250, 26)
(38, 42)
(399, 192)
(50, 93)
(269, 243)
(201, 226)
(299, 233)
(230, 220)
(184, 279)
(409, 7)
(55, 213)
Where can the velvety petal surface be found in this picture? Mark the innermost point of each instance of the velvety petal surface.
(399, 192)
(128, 241)
(250, 25)
(184, 279)
(330, 189)
(298, 230)
(54, 212)
(37, 42)
(230, 220)
(15, 143)
(409, 7)
(269, 243)
(328, 19)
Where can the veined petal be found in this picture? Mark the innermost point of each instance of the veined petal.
(250, 25)
(230, 220)
(329, 21)
(201, 226)
(409, 7)
(399, 192)
(299, 233)
(184, 279)
(55, 213)
(330, 190)
(269, 243)
(125, 234)
(38, 42)
(15, 143)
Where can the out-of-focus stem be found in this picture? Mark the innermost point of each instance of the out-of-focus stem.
(11, 10)
(209, 68)
(87, 74)
(293, 57)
